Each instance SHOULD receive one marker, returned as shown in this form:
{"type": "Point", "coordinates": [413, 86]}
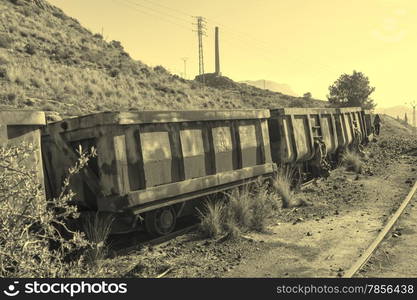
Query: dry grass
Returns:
{"type": "Point", "coordinates": [352, 161]}
{"type": "Point", "coordinates": [212, 218]}
{"type": "Point", "coordinates": [246, 208]}
{"type": "Point", "coordinates": [282, 185]}
{"type": "Point", "coordinates": [239, 206]}
{"type": "Point", "coordinates": [97, 228]}
{"type": "Point", "coordinates": [261, 208]}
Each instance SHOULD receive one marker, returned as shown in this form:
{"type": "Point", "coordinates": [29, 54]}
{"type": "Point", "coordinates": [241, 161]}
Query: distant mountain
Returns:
{"type": "Point", "coordinates": [398, 110]}
{"type": "Point", "coordinates": [272, 86]}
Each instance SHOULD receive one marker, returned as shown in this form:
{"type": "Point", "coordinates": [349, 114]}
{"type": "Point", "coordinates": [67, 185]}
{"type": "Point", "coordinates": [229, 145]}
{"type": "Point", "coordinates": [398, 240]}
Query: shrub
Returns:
{"type": "Point", "coordinates": [114, 72]}
{"type": "Point", "coordinates": [5, 41]}
{"type": "Point", "coordinates": [30, 49]}
{"type": "Point", "coordinates": [35, 240]}
{"type": "Point", "coordinates": [352, 161]}
{"type": "Point", "coordinates": [160, 70]}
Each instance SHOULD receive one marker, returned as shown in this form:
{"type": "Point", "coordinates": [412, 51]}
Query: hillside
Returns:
{"type": "Point", "coordinates": [49, 61]}
{"type": "Point", "coordinates": [272, 86]}
{"type": "Point", "coordinates": [393, 127]}
{"type": "Point", "coordinates": [396, 111]}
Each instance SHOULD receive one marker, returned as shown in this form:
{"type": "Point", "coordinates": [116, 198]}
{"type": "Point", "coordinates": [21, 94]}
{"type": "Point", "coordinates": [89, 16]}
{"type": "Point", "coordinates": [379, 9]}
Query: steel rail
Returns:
{"type": "Point", "coordinates": [155, 241]}
{"type": "Point", "coordinates": [370, 250]}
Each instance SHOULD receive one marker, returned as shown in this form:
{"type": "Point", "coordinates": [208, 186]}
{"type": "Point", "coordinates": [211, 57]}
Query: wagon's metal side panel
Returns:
{"type": "Point", "coordinates": [329, 132]}
{"type": "Point", "coordinates": [17, 127]}
{"type": "Point", "coordinates": [346, 117]}
{"type": "Point", "coordinates": [193, 152]}
{"type": "Point", "coordinates": [249, 147]}
{"type": "Point", "coordinates": [223, 147]}
{"type": "Point", "coordinates": [347, 127]}
{"type": "Point", "coordinates": [266, 143]}
{"type": "Point", "coordinates": [134, 158]}
{"type": "Point", "coordinates": [367, 115]}
{"type": "Point", "coordinates": [302, 137]}
{"type": "Point", "coordinates": [157, 157]}
{"type": "Point", "coordinates": [286, 147]}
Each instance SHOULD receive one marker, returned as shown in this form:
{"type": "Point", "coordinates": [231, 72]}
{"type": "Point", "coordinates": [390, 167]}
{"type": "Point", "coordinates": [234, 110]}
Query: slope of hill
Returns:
{"type": "Point", "coordinates": [392, 126]}
{"type": "Point", "coordinates": [394, 111]}
{"type": "Point", "coordinates": [272, 86]}
{"type": "Point", "coordinates": [49, 61]}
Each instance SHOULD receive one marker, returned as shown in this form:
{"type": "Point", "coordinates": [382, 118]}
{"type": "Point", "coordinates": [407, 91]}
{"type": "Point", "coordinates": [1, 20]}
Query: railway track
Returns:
{"type": "Point", "coordinates": [146, 241]}
{"type": "Point", "coordinates": [381, 236]}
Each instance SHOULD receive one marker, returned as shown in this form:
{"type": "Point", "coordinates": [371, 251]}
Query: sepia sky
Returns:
{"type": "Point", "coordinates": [306, 44]}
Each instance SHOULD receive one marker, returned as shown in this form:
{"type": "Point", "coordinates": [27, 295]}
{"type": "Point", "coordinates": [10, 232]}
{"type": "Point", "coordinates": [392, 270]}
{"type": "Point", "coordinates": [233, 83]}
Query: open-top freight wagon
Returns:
{"type": "Point", "coordinates": [308, 138]}
{"type": "Point", "coordinates": [150, 163]}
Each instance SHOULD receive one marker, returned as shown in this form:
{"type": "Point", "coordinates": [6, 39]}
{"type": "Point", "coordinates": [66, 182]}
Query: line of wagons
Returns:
{"type": "Point", "coordinates": [150, 164]}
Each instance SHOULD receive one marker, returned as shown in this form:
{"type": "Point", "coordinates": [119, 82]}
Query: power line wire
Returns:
{"type": "Point", "coordinates": [136, 9]}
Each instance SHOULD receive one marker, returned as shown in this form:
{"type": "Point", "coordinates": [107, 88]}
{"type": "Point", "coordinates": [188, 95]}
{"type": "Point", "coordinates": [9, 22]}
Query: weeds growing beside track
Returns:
{"type": "Point", "coordinates": [246, 208]}
{"type": "Point", "coordinates": [352, 161]}
{"type": "Point", "coordinates": [282, 184]}
{"type": "Point", "coordinates": [97, 227]}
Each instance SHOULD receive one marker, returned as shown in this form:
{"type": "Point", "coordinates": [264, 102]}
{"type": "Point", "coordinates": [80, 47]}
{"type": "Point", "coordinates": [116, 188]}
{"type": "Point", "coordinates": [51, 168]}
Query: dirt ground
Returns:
{"type": "Point", "coordinates": [397, 255]}
{"type": "Point", "coordinates": [322, 240]}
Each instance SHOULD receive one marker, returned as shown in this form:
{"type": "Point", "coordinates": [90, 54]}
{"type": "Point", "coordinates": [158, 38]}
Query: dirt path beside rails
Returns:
{"type": "Point", "coordinates": [327, 246]}
{"type": "Point", "coordinates": [397, 255]}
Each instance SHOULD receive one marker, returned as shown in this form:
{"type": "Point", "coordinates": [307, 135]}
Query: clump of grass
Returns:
{"type": "Point", "coordinates": [352, 161]}
{"type": "Point", "coordinates": [97, 228]}
{"type": "Point", "coordinates": [239, 206]}
{"type": "Point", "coordinates": [261, 209]}
{"type": "Point", "coordinates": [282, 185]}
{"type": "Point", "coordinates": [212, 218]}
{"type": "Point", "coordinates": [232, 229]}
{"type": "Point", "coordinates": [244, 209]}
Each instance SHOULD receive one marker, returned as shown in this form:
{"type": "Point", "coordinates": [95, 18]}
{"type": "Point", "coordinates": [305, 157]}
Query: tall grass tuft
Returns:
{"type": "Point", "coordinates": [239, 206]}
{"type": "Point", "coordinates": [352, 161]}
{"type": "Point", "coordinates": [261, 208]}
{"type": "Point", "coordinates": [212, 218]}
{"type": "Point", "coordinates": [282, 185]}
{"type": "Point", "coordinates": [97, 227]}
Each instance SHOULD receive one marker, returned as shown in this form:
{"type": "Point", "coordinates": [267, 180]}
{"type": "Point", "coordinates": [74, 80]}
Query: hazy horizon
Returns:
{"type": "Point", "coordinates": [304, 44]}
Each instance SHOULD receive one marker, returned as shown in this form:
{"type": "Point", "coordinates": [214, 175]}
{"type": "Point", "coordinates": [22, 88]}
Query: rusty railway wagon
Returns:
{"type": "Point", "coordinates": [150, 163]}
{"type": "Point", "coordinates": [304, 137]}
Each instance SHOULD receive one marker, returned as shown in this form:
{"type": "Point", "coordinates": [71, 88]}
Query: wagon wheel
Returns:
{"type": "Point", "coordinates": [161, 221]}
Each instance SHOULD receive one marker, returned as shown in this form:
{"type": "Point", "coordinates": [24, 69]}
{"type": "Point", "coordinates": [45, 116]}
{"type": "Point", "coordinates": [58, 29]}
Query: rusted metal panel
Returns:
{"type": "Point", "coordinates": [248, 144]}
{"type": "Point", "coordinates": [266, 143]}
{"type": "Point", "coordinates": [328, 132]}
{"type": "Point", "coordinates": [157, 157]}
{"type": "Point", "coordinates": [193, 153]}
{"type": "Point", "coordinates": [223, 148]}
{"type": "Point", "coordinates": [302, 142]}
{"type": "Point", "coordinates": [121, 164]}
{"type": "Point", "coordinates": [134, 158]}
{"type": "Point", "coordinates": [107, 162]}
